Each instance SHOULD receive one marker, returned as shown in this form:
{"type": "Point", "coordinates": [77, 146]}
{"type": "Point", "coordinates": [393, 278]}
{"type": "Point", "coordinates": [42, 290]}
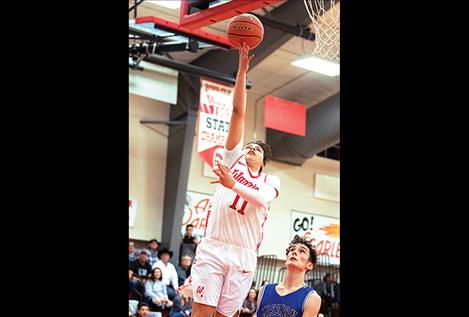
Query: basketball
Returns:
{"type": "Point", "coordinates": [245, 28]}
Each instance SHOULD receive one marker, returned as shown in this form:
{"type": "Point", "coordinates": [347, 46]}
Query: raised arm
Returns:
{"type": "Point", "coordinates": [236, 129]}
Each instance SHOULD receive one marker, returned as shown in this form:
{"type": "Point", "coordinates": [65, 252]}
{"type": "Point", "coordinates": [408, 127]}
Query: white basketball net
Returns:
{"type": "Point", "coordinates": [325, 15]}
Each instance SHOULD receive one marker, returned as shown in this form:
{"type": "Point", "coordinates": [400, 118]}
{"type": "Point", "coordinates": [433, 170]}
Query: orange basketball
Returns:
{"type": "Point", "coordinates": [245, 28]}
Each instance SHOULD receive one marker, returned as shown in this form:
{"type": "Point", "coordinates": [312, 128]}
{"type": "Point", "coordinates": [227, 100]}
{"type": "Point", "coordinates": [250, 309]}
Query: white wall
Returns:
{"type": "Point", "coordinates": [297, 194]}
{"type": "Point", "coordinates": [147, 165]}
{"type": "Point", "coordinates": [155, 82]}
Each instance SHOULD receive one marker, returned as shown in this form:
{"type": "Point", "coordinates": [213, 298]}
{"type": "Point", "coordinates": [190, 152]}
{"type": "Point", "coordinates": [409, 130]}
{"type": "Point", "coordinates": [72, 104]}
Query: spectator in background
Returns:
{"type": "Point", "coordinates": [264, 282]}
{"type": "Point", "coordinates": [320, 287]}
{"type": "Point", "coordinates": [253, 284]}
{"type": "Point", "coordinates": [156, 292]}
{"type": "Point", "coordinates": [184, 269]}
{"type": "Point", "coordinates": [132, 254]}
{"type": "Point", "coordinates": [141, 267]}
{"type": "Point", "coordinates": [336, 286]}
{"type": "Point", "coordinates": [153, 247]}
{"type": "Point", "coordinates": [141, 271]}
{"type": "Point", "coordinates": [249, 305]}
{"type": "Point", "coordinates": [335, 302]}
{"type": "Point", "coordinates": [188, 243]}
{"type": "Point", "coordinates": [143, 310]}
{"type": "Point", "coordinates": [170, 276]}
{"type": "Point", "coordinates": [327, 293]}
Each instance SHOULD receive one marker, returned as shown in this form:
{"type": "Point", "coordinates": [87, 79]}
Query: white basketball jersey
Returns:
{"type": "Point", "coordinates": [230, 218]}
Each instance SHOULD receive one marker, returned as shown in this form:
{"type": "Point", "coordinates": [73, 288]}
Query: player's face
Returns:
{"type": "Point", "coordinates": [254, 152]}
{"type": "Point", "coordinates": [298, 256]}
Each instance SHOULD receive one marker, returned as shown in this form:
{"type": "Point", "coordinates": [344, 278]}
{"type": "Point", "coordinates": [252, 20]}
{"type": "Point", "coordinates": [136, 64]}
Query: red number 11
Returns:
{"type": "Point", "coordinates": [235, 202]}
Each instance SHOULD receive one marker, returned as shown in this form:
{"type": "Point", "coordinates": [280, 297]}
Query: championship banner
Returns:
{"type": "Point", "coordinates": [324, 232]}
{"type": "Point", "coordinates": [195, 213]}
{"type": "Point", "coordinates": [215, 108]}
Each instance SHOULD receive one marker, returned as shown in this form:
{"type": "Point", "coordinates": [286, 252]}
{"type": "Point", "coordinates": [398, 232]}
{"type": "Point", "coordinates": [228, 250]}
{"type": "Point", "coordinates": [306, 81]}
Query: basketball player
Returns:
{"type": "Point", "coordinates": [225, 261]}
{"type": "Point", "coordinates": [292, 297]}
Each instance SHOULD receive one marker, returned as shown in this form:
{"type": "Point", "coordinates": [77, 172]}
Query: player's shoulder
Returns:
{"type": "Point", "coordinates": [312, 304]}
{"type": "Point", "coordinates": [262, 290]}
{"type": "Point", "coordinates": [273, 180]}
{"type": "Point", "coordinates": [314, 295]}
{"type": "Point", "coordinates": [271, 177]}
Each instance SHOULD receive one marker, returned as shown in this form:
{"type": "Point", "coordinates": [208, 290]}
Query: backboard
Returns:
{"type": "Point", "coordinates": [199, 13]}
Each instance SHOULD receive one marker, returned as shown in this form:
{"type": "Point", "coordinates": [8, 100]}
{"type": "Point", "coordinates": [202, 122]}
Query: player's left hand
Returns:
{"type": "Point", "coordinates": [225, 176]}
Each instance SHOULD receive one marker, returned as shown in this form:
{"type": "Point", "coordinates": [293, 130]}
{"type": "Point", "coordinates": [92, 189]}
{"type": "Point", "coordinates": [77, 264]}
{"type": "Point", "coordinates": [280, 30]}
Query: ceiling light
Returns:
{"type": "Point", "coordinates": [318, 65]}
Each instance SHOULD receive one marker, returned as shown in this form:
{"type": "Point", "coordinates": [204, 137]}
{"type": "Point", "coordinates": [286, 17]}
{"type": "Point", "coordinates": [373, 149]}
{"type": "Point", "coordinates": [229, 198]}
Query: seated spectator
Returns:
{"type": "Point", "coordinates": [250, 304]}
{"type": "Point", "coordinates": [141, 270]}
{"type": "Point", "coordinates": [184, 269]}
{"type": "Point", "coordinates": [143, 310]}
{"type": "Point", "coordinates": [132, 254]}
{"type": "Point", "coordinates": [155, 291]}
{"type": "Point", "coordinates": [170, 276]}
{"type": "Point", "coordinates": [153, 248]}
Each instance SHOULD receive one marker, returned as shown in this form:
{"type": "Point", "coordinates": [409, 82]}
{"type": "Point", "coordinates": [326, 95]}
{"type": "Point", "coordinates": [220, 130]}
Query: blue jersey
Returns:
{"type": "Point", "coordinates": [290, 305]}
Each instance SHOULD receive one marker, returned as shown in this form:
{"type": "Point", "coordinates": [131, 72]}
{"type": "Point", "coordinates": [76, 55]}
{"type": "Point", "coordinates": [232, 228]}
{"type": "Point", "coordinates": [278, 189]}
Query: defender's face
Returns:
{"type": "Point", "coordinates": [298, 256]}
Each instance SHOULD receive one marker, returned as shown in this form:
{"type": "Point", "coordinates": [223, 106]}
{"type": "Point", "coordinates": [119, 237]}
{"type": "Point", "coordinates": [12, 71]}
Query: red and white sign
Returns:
{"type": "Point", "coordinates": [324, 232]}
{"type": "Point", "coordinates": [284, 115]}
{"type": "Point", "coordinates": [195, 213]}
{"type": "Point", "coordinates": [132, 212]}
{"type": "Point", "coordinates": [215, 108]}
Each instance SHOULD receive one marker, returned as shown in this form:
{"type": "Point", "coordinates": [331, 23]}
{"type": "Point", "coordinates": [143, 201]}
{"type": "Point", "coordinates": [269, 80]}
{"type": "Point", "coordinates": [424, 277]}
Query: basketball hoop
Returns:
{"type": "Point", "coordinates": [325, 16]}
